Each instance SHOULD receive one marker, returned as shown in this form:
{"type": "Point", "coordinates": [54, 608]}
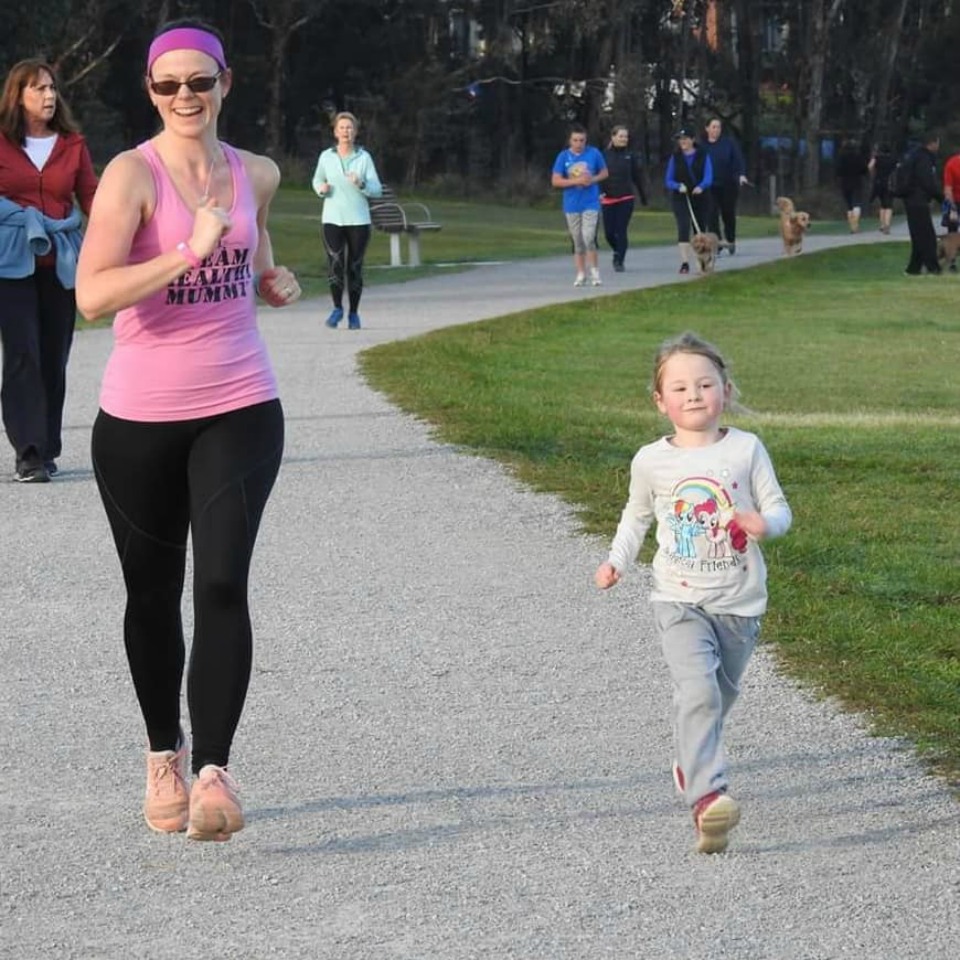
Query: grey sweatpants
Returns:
{"type": "Point", "coordinates": [706, 655]}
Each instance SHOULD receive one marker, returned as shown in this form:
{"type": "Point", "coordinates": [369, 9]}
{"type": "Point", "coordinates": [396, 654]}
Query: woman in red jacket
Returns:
{"type": "Point", "coordinates": [44, 165]}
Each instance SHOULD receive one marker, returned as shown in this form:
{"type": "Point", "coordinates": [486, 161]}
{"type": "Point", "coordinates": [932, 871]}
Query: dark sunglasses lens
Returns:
{"type": "Point", "coordinates": [170, 88]}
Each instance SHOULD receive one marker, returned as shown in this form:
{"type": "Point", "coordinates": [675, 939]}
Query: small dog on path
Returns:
{"type": "Point", "coordinates": [706, 246]}
{"type": "Point", "coordinates": [793, 225]}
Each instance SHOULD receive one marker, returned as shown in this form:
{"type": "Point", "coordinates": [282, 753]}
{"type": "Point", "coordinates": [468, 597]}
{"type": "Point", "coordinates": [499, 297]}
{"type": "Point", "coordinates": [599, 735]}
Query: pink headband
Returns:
{"type": "Point", "coordinates": [186, 38]}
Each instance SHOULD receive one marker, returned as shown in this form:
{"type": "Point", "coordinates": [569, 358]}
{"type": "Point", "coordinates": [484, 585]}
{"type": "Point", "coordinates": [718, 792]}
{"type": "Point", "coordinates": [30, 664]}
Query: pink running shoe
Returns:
{"type": "Point", "coordinates": [715, 815]}
{"type": "Point", "coordinates": [215, 811]}
{"type": "Point", "coordinates": [167, 800]}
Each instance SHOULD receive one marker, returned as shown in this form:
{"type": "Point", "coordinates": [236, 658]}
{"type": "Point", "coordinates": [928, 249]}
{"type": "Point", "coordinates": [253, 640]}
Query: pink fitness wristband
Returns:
{"type": "Point", "coordinates": [183, 248]}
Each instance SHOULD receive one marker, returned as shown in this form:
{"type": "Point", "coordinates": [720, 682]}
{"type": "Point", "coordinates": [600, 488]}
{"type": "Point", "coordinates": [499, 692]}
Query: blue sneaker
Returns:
{"type": "Point", "coordinates": [336, 315]}
{"type": "Point", "coordinates": [353, 321]}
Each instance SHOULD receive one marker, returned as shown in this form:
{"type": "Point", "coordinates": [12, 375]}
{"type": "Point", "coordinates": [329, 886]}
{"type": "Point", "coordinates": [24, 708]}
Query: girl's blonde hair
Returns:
{"type": "Point", "coordinates": [346, 115]}
{"type": "Point", "coordinates": [690, 343]}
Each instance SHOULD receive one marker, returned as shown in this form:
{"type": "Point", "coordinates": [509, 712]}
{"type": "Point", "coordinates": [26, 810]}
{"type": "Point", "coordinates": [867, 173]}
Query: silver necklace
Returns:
{"type": "Point", "coordinates": [205, 196]}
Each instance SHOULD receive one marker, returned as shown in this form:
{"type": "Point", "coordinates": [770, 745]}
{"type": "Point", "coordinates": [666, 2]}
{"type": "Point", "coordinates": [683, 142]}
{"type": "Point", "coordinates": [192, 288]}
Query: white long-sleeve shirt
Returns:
{"type": "Point", "coordinates": [703, 557]}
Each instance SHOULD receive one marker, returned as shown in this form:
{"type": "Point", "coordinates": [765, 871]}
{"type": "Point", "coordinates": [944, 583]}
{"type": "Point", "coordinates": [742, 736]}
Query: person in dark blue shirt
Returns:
{"type": "Point", "coordinates": [729, 175]}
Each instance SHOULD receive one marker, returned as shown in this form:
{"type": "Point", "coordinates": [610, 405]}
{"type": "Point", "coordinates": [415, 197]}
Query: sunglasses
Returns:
{"type": "Point", "coordinates": [170, 88]}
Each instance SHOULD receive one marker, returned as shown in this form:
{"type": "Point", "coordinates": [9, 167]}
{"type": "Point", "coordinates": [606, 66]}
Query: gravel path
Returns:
{"type": "Point", "coordinates": [454, 747]}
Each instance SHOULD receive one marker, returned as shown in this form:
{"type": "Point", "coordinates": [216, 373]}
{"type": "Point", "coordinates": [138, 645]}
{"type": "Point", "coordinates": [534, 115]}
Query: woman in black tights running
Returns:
{"type": "Point", "coordinates": [190, 430]}
{"type": "Point", "coordinates": [345, 179]}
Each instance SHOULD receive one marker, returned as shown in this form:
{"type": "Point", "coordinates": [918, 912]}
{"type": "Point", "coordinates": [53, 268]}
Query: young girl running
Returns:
{"type": "Point", "coordinates": [713, 493]}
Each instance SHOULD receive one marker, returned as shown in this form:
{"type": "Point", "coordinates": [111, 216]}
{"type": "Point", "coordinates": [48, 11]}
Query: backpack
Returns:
{"type": "Point", "coordinates": [901, 180]}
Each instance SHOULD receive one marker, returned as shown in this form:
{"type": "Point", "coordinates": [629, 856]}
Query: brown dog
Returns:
{"type": "Point", "coordinates": [793, 225]}
{"type": "Point", "coordinates": [948, 246]}
{"type": "Point", "coordinates": [706, 247]}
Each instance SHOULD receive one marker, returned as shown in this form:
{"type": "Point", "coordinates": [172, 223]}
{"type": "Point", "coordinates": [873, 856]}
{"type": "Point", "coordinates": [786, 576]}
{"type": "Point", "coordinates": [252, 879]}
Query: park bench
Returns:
{"type": "Point", "coordinates": [399, 219]}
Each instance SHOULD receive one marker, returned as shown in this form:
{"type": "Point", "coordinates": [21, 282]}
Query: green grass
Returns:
{"type": "Point", "coordinates": [849, 371]}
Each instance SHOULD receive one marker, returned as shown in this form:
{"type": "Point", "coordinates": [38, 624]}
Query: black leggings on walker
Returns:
{"type": "Point", "coordinates": [346, 247]}
{"type": "Point", "coordinates": [211, 476]}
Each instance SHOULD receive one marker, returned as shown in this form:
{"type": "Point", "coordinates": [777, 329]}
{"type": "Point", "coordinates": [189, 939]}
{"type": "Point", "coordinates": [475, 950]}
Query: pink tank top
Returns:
{"type": "Point", "coordinates": [192, 349]}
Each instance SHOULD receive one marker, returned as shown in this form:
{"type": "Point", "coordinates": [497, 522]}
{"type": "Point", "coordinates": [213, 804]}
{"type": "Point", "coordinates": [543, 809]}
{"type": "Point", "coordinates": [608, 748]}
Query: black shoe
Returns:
{"type": "Point", "coordinates": [617, 266]}
{"type": "Point", "coordinates": [51, 466]}
{"type": "Point", "coordinates": [953, 268]}
{"type": "Point", "coordinates": [684, 267]}
{"type": "Point", "coordinates": [732, 249]}
{"type": "Point", "coordinates": [31, 471]}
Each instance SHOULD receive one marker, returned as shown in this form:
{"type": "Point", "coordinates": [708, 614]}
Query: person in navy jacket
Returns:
{"type": "Point", "coordinates": [619, 192]}
{"type": "Point", "coordinates": [729, 175]}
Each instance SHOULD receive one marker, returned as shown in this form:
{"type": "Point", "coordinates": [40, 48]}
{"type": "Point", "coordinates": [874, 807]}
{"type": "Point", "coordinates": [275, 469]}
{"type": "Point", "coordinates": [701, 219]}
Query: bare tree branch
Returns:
{"type": "Point", "coordinates": [93, 64]}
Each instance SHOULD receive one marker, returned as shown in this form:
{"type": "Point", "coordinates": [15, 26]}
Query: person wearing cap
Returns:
{"type": "Point", "coordinates": [577, 171]}
{"type": "Point", "coordinates": [189, 435]}
{"type": "Point", "coordinates": [688, 177]}
{"type": "Point", "coordinates": [729, 175]}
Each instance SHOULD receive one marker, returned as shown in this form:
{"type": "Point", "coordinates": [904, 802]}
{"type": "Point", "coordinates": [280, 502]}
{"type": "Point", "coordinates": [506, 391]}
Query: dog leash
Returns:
{"type": "Point", "coordinates": [693, 216]}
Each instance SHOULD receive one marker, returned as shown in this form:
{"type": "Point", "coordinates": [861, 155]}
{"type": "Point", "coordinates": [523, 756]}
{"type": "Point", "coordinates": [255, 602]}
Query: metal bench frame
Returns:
{"type": "Point", "coordinates": [396, 219]}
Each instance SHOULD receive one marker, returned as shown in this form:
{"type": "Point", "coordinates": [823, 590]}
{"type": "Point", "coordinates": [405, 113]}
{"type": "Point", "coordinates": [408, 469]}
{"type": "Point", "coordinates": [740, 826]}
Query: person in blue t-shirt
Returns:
{"type": "Point", "coordinates": [577, 171]}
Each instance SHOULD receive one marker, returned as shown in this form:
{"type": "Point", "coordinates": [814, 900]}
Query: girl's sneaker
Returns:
{"type": "Point", "coordinates": [715, 815]}
{"type": "Point", "coordinates": [215, 811]}
{"type": "Point", "coordinates": [580, 280]}
{"type": "Point", "coordinates": [167, 801]}
{"type": "Point", "coordinates": [595, 277]}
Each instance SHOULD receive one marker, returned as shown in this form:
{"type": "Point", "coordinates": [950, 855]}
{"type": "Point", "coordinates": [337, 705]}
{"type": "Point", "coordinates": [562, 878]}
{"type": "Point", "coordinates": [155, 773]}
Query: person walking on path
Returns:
{"type": "Point", "coordinates": [688, 177]}
{"type": "Point", "coordinates": [189, 434]}
{"type": "Point", "coordinates": [713, 494]}
{"type": "Point", "coordinates": [345, 179]}
{"type": "Point", "coordinates": [851, 170]}
{"type": "Point", "coordinates": [623, 184]}
{"type": "Point", "coordinates": [924, 187]}
{"type": "Point", "coordinates": [729, 175]}
{"type": "Point", "coordinates": [951, 196]}
{"type": "Point", "coordinates": [577, 171]}
{"type": "Point", "coordinates": [45, 169]}
{"type": "Point", "coordinates": [881, 165]}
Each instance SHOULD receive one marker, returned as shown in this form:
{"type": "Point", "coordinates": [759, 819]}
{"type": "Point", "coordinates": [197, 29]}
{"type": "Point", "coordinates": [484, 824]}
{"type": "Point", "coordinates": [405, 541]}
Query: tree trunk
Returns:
{"type": "Point", "coordinates": [820, 22]}
{"type": "Point", "coordinates": [748, 43]}
{"type": "Point", "coordinates": [285, 18]}
{"type": "Point", "coordinates": [891, 47]}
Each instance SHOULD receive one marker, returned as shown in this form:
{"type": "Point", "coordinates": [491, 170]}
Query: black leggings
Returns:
{"type": "Point", "coordinates": [346, 247]}
{"type": "Point", "coordinates": [616, 225]}
{"type": "Point", "coordinates": [210, 476]}
{"type": "Point", "coordinates": [723, 203]}
{"type": "Point", "coordinates": [681, 212]}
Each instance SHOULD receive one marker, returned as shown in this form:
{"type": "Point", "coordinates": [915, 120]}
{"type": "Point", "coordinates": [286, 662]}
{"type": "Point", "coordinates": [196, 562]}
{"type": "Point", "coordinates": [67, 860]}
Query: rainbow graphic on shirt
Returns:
{"type": "Point", "coordinates": [702, 521]}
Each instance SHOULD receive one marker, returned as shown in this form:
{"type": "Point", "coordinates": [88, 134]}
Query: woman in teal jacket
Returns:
{"type": "Point", "coordinates": [345, 179]}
